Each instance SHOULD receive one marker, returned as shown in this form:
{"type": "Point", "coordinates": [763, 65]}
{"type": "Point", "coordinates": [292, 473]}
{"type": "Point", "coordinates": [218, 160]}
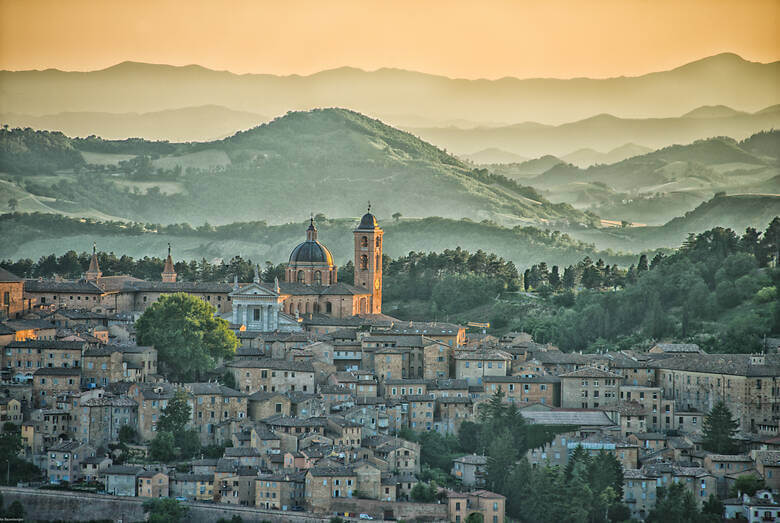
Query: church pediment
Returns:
{"type": "Point", "coordinates": [254, 290]}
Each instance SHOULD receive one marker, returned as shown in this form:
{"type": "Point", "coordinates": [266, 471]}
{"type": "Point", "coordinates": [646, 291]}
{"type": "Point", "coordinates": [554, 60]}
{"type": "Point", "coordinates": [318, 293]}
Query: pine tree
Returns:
{"type": "Point", "coordinates": [719, 430]}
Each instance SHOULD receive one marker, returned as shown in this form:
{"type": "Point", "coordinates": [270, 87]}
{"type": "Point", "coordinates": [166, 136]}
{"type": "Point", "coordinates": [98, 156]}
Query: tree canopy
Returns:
{"type": "Point", "coordinates": [188, 337]}
{"type": "Point", "coordinates": [719, 430]}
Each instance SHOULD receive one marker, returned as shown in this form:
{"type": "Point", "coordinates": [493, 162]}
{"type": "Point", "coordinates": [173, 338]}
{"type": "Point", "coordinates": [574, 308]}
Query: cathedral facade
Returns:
{"type": "Point", "coordinates": [311, 285]}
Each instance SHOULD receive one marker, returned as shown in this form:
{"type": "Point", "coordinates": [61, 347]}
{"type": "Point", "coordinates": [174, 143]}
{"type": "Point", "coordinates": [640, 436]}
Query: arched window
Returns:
{"type": "Point", "coordinates": [301, 277]}
{"type": "Point", "coordinates": [364, 241]}
{"type": "Point", "coordinates": [329, 307]}
{"type": "Point", "coordinates": [316, 308]}
{"type": "Point", "coordinates": [318, 278]}
{"type": "Point", "coordinates": [364, 262]}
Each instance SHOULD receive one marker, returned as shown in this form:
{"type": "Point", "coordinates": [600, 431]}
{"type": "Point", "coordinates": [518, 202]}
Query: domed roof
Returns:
{"type": "Point", "coordinates": [311, 251]}
{"type": "Point", "coordinates": [368, 222]}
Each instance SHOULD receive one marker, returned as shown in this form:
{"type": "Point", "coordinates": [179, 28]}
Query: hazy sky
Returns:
{"type": "Point", "coordinates": [478, 39]}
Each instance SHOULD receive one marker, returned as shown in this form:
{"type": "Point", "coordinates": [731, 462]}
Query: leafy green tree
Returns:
{"type": "Point", "coordinates": [162, 447]}
{"type": "Point", "coordinates": [165, 510]}
{"type": "Point", "coordinates": [501, 457]}
{"type": "Point", "coordinates": [719, 430]}
{"type": "Point", "coordinates": [176, 414]}
{"type": "Point", "coordinates": [188, 337]}
{"type": "Point", "coordinates": [127, 434]}
{"type": "Point", "coordinates": [188, 443]}
{"type": "Point", "coordinates": [674, 504]}
{"type": "Point", "coordinates": [619, 512]}
{"type": "Point", "coordinates": [424, 493]}
{"type": "Point", "coordinates": [746, 484]}
{"type": "Point", "coordinates": [228, 380]}
{"type": "Point", "coordinates": [713, 507]}
{"type": "Point", "coordinates": [469, 436]}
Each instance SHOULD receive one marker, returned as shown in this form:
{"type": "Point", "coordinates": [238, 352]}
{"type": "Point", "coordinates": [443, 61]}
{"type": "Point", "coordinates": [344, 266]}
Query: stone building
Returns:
{"type": "Point", "coordinates": [589, 388]}
{"type": "Point", "coordinates": [64, 461]}
{"type": "Point", "coordinates": [470, 469]}
{"type": "Point", "coordinates": [212, 404]}
{"type": "Point", "coordinates": [151, 399]}
{"type": "Point", "coordinates": [98, 420]}
{"type": "Point", "coordinates": [12, 303]}
{"type": "Point", "coordinates": [748, 383]}
{"type": "Point", "coordinates": [475, 366]}
{"type": "Point", "coordinates": [272, 375]}
{"type": "Point", "coordinates": [153, 484]}
{"type": "Point", "coordinates": [23, 358]}
{"type": "Point", "coordinates": [489, 505]}
{"type": "Point", "coordinates": [518, 389]}
{"type": "Point", "coordinates": [280, 491]}
{"type": "Point", "coordinates": [48, 383]}
{"type": "Point", "coordinates": [266, 404]}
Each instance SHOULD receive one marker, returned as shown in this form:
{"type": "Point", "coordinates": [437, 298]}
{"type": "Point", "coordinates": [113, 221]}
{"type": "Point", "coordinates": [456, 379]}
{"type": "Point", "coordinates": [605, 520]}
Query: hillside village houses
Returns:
{"type": "Point", "coordinates": [324, 381]}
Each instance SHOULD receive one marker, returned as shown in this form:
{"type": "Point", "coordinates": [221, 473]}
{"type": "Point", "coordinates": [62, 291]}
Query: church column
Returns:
{"type": "Point", "coordinates": [235, 315]}
{"type": "Point", "coordinates": [244, 307]}
{"type": "Point", "coordinates": [267, 317]}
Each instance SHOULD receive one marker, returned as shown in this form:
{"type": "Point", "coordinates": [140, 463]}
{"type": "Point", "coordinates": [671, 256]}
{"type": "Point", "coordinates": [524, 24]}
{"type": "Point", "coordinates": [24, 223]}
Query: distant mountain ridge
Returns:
{"type": "Point", "coordinates": [724, 79]}
{"type": "Point", "coordinates": [187, 124]}
{"type": "Point", "coordinates": [604, 132]}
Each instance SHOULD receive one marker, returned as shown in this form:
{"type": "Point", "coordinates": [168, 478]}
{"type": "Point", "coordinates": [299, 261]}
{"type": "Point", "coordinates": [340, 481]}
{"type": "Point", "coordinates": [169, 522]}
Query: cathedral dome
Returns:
{"type": "Point", "coordinates": [311, 251]}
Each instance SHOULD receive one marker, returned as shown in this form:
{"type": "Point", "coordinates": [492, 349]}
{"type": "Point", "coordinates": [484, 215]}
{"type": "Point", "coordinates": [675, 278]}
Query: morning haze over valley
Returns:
{"type": "Point", "coordinates": [398, 247]}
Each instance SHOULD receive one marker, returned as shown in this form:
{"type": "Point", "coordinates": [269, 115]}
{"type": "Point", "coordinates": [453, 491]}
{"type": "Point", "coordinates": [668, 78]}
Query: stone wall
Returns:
{"type": "Point", "coordinates": [429, 512]}
{"type": "Point", "coordinates": [54, 505]}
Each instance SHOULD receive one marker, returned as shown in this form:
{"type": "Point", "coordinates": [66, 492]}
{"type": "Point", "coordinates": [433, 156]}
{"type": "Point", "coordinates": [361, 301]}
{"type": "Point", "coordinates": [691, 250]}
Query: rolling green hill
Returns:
{"type": "Point", "coordinates": [737, 212]}
{"type": "Point", "coordinates": [327, 160]}
{"type": "Point", "coordinates": [655, 187]}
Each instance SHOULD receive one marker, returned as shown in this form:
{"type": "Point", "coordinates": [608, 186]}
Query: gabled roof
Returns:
{"type": "Point", "coordinates": [590, 372]}
{"type": "Point", "coordinates": [8, 277]}
{"type": "Point", "coordinates": [55, 286]}
{"type": "Point", "coordinates": [58, 371]}
{"type": "Point", "coordinates": [270, 363]}
{"type": "Point", "coordinates": [579, 417]}
{"type": "Point", "coordinates": [200, 389]}
{"type": "Point", "coordinates": [47, 344]}
{"type": "Point", "coordinates": [177, 286]}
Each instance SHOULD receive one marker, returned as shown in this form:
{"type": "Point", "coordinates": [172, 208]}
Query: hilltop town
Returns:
{"type": "Point", "coordinates": [329, 407]}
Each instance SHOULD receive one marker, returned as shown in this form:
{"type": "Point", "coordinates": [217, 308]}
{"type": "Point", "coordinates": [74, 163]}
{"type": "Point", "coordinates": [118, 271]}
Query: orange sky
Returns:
{"type": "Point", "coordinates": [479, 39]}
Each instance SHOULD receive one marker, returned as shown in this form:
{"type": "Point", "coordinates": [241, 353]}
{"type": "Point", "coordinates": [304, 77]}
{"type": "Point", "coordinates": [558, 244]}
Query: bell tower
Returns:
{"type": "Point", "coordinates": [368, 261]}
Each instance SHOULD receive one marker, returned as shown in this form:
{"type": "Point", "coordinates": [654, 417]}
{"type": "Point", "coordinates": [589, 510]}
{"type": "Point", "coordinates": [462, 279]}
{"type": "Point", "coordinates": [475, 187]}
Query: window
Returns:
{"type": "Point", "coordinates": [301, 277]}
{"type": "Point", "coordinates": [364, 241]}
{"type": "Point", "coordinates": [318, 277]}
{"type": "Point", "coordinates": [364, 262]}
{"type": "Point", "coordinates": [256, 314]}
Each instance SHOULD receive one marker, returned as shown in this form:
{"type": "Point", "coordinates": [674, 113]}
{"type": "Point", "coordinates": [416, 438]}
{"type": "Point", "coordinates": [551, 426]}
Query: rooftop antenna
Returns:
{"type": "Point", "coordinates": [369, 206]}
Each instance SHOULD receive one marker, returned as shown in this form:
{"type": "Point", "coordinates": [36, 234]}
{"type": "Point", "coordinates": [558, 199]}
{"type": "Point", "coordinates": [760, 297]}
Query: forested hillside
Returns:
{"type": "Point", "coordinates": [719, 290]}
{"type": "Point", "coordinates": [35, 235]}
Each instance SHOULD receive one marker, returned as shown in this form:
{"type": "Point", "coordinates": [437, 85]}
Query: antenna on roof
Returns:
{"type": "Point", "coordinates": [369, 206]}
